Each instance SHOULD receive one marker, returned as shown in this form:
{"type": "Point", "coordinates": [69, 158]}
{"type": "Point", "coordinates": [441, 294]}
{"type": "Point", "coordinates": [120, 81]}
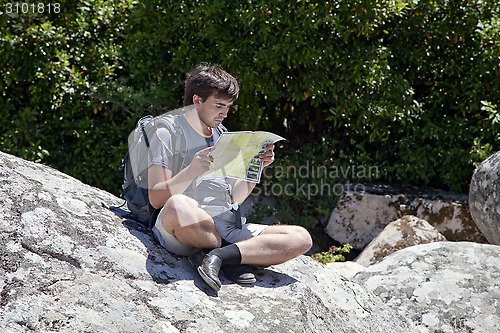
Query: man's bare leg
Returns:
{"type": "Point", "coordinates": [275, 245]}
{"type": "Point", "coordinates": [191, 225]}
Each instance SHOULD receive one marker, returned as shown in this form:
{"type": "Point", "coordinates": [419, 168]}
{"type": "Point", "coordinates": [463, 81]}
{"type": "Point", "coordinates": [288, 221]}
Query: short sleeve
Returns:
{"type": "Point", "coordinates": [160, 149]}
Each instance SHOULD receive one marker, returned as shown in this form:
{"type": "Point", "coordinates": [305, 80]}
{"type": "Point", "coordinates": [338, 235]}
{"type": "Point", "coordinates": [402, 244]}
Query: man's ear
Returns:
{"type": "Point", "coordinates": [197, 100]}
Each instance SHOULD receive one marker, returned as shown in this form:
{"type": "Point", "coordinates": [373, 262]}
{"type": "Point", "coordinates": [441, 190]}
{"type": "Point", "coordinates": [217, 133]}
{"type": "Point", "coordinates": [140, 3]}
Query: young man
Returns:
{"type": "Point", "coordinates": [201, 215]}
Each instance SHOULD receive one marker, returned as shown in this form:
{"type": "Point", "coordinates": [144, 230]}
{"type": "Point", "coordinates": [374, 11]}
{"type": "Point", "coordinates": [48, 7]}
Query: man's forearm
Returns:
{"type": "Point", "coordinates": [241, 190]}
{"type": "Point", "coordinates": [162, 191]}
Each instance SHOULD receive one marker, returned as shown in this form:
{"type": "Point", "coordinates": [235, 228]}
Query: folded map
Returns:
{"type": "Point", "coordinates": [236, 155]}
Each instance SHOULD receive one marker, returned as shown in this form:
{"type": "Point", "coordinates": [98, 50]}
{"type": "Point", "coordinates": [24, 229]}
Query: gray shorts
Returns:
{"type": "Point", "coordinates": [224, 223]}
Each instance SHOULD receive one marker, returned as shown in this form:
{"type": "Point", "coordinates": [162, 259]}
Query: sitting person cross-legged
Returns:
{"type": "Point", "coordinates": [201, 214]}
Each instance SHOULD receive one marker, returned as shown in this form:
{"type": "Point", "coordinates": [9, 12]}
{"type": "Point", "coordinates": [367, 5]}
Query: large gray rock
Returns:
{"type": "Point", "coordinates": [347, 268]}
{"type": "Point", "coordinates": [69, 264]}
{"type": "Point", "coordinates": [402, 233]}
{"type": "Point", "coordinates": [441, 287]}
{"type": "Point", "coordinates": [360, 215]}
{"type": "Point", "coordinates": [484, 198]}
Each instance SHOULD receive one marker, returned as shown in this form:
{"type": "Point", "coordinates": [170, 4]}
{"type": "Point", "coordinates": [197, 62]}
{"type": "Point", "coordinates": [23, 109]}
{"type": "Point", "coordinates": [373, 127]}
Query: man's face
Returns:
{"type": "Point", "coordinates": [212, 111]}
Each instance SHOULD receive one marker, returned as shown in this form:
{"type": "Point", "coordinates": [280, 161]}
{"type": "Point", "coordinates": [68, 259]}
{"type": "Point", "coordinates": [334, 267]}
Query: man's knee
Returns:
{"type": "Point", "coordinates": [302, 239]}
{"type": "Point", "coordinates": [188, 223]}
{"type": "Point", "coordinates": [178, 210]}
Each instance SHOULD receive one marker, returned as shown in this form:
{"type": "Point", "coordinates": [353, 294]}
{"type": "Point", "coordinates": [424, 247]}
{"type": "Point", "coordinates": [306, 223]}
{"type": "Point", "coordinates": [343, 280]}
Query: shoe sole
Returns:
{"type": "Point", "coordinates": [247, 281]}
{"type": "Point", "coordinates": [214, 285]}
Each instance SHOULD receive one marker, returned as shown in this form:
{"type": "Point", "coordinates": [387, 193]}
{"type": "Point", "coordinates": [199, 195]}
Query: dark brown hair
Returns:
{"type": "Point", "coordinates": [210, 80]}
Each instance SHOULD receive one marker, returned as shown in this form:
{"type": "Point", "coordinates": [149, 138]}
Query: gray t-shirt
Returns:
{"type": "Point", "coordinates": [161, 153]}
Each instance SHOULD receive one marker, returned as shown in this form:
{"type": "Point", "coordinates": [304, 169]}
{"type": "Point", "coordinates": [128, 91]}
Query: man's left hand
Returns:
{"type": "Point", "coordinates": [267, 157]}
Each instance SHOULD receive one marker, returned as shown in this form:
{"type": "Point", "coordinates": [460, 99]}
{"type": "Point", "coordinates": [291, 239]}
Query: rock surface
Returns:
{"type": "Point", "coordinates": [402, 233]}
{"type": "Point", "coordinates": [70, 264]}
{"type": "Point", "coordinates": [361, 215]}
{"type": "Point", "coordinates": [346, 268]}
{"type": "Point", "coordinates": [484, 198]}
{"type": "Point", "coordinates": [442, 287]}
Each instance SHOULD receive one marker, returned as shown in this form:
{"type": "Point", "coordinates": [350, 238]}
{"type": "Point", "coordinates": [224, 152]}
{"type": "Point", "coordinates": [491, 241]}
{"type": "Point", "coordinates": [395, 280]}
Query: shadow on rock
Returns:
{"type": "Point", "coordinates": [166, 267]}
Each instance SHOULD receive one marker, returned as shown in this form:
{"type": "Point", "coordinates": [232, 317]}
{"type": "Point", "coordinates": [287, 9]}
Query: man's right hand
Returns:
{"type": "Point", "coordinates": [201, 162]}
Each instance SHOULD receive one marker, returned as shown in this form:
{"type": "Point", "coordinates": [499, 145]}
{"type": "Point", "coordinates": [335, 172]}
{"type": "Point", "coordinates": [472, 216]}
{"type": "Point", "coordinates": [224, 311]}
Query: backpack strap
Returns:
{"type": "Point", "coordinates": [154, 215]}
{"type": "Point", "coordinates": [221, 128]}
{"type": "Point", "coordinates": [179, 145]}
{"type": "Point", "coordinates": [178, 139]}
{"type": "Point", "coordinates": [142, 121]}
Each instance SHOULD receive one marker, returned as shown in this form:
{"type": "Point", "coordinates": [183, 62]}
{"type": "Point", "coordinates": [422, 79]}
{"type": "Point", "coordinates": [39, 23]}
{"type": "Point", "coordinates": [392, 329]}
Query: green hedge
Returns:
{"type": "Point", "coordinates": [52, 69]}
{"type": "Point", "coordinates": [411, 87]}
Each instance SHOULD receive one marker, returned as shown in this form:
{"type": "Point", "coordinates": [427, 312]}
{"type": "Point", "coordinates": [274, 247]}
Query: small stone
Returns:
{"type": "Point", "coordinates": [402, 233]}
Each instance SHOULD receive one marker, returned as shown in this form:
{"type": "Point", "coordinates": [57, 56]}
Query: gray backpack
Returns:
{"type": "Point", "coordinates": [135, 163]}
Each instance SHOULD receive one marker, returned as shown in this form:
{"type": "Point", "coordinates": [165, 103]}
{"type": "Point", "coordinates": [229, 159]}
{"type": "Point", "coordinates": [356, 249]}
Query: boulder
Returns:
{"type": "Point", "coordinates": [484, 198]}
{"type": "Point", "coordinates": [402, 233]}
{"type": "Point", "coordinates": [442, 287]}
{"type": "Point", "coordinates": [361, 214]}
{"type": "Point", "coordinates": [69, 263]}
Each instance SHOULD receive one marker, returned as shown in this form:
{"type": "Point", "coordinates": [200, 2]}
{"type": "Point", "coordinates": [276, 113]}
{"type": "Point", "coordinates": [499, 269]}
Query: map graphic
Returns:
{"type": "Point", "coordinates": [236, 155]}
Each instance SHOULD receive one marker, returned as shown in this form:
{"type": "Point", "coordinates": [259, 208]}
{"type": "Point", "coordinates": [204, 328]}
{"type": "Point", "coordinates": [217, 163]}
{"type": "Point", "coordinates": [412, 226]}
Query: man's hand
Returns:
{"type": "Point", "coordinates": [267, 157]}
{"type": "Point", "coordinates": [201, 162]}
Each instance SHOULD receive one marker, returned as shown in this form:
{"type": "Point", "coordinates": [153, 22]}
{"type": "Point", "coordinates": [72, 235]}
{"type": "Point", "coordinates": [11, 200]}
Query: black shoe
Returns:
{"type": "Point", "coordinates": [241, 274]}
{"type": "Point", "coordinates": [209, 271]}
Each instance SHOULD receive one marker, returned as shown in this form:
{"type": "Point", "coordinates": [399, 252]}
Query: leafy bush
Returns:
{"type": "Point", "coordinates": [398, 85]}
{"type": "Point", "coordinates": [53, 67]}
{"type": "Point", "coordinates": [410, 88]}
{"type": "Point", "coordinates": [334, 254]}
